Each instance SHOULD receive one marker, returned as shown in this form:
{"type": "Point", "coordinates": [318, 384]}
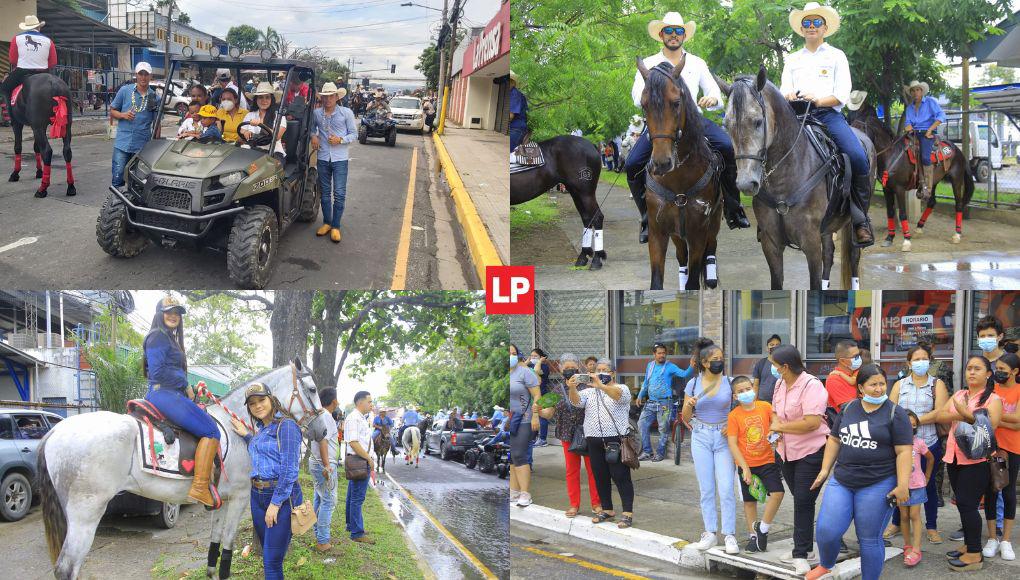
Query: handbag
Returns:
{"type": "Point", "coordinates": [578, 442]}
{"type": "Point", "coordinates": [1000, 473]}
{"type": "Point", "coordinates": [626, 450]}
{"type": "Point", "coordinates": [302, 518]}
{"type": "Point", "coordinates": [355, 467]}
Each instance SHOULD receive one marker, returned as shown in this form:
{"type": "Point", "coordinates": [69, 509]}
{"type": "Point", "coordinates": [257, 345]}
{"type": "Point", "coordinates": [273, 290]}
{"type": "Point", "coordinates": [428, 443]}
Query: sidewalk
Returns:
{"type": "Point", "coordinates": [481, 159]}
{"type": "Point", "coordinates": [667, 516]}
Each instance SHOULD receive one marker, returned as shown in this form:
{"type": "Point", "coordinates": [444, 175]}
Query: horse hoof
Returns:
{"type": "Point", "coordinates": [918, 231]}
{"type": "Point", "coordinates": [71, 191]}
{"type": "Point", "coordinates": [582, 260]}
{"type": "Point", "coordinates": [14, 177]}
{"type": "Point", "coordinates": [887, 242]}
{"type": "Point", "coordinates": [711, 283]}
{"type": "Point", "coordinates": [41, 193]}
{"type": "Point", "coordinates": [38, 173]}
{"type": "Point", "coordinates": [956, 238]}
{"type": "Point", "coordinates": [906, 245]}
{"type": "Point", "coordinates": [596, 264]}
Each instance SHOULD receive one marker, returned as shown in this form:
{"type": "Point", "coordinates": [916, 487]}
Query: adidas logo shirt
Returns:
{"type": "Point", "coordinates": [867, 452]}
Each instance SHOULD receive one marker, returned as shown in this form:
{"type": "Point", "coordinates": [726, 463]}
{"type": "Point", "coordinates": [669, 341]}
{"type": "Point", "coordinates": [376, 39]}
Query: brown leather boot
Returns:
{"type": "Point", "coordinates": [205, 453]}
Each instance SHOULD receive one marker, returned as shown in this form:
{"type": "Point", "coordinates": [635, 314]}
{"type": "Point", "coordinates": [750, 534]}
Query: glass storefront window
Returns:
{"type": "Point", "coordinates": [835, 315]}
{"type": "Point", "coordinates": [910, 316]}
{"type": "Point", "coordinates": [1002, 304]}
{"type": "Point", "coordinates": [667, 317]}
{"type": "Point", "coordinates": [758, 314]}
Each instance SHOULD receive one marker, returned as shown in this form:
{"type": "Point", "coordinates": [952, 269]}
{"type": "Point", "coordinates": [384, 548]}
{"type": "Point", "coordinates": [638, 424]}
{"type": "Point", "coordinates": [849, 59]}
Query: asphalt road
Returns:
{"type": "Point", "coordinates": [51, 242]}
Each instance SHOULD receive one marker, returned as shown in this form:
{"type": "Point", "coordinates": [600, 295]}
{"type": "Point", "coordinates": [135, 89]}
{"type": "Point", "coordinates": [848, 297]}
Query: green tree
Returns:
{"type": "Point", "coordinates": [183, 18]}
{"type": "Point", "coordinates": [119, 376]}
{"type": "Point", "coordinates": [428, 65]}
{"type": "Point", "coordinates": [222, 331]}
{"type": "Point", "coordinates": [245, 37]}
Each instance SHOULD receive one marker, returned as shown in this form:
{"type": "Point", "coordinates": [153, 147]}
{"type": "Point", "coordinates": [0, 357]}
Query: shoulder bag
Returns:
{"type": "Point", "coordinates": [355, 467]}
{"type": "Point", "coordinates": [578, 441]}
{"type": "Point", "coordinates": [626, 451]}
{"type": "Point", "coordinates": [1000, 473]}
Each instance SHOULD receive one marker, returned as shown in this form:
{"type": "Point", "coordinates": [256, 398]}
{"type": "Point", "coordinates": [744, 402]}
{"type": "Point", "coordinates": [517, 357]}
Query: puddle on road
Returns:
{"type": "Point", "coordinates": [961, 266]}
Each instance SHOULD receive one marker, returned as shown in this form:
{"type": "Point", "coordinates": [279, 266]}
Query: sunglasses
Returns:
{"type": "Point", "coordinates": [677, 30]}
{"type": "Point", "coordinates": [816, 22]}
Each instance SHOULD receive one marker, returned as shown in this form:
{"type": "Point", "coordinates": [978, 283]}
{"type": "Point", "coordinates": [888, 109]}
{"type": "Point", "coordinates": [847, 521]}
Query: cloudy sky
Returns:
{"type": "Point", "coordinates": [376, 32]}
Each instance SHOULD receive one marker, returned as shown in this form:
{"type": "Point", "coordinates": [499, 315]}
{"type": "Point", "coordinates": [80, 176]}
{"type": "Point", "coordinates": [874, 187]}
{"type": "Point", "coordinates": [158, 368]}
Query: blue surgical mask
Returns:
{"type": "Point", "coordinates": [514, 360]}
{"type": "Point", "coordinates": [875, 400]}
{"type": "Point", "coordinates": [856, 362]}
{"type": "Point", "coordinates": [775, 371]}
{"type": "Point", "coordinates": [920, 367]}
{"type": "Point", "coordinates": [746, 397]}
{"type": "Point", "coordinates": [988, 343]}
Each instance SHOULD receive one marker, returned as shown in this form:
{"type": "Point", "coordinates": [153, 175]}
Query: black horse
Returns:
{"type": "Point", "coordinates": [44, 101]}
{"type": "Point", "coordinates": [574, 162]}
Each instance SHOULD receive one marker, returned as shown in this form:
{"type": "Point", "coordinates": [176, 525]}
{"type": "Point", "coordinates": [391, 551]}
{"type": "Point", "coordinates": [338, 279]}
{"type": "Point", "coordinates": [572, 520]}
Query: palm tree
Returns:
{"type": "Point", "coordinates": [272, 40]}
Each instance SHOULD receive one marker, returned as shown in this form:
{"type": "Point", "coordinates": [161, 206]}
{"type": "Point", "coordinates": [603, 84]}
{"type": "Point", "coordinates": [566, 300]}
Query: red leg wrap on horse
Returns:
{"type": "Point", "coordinates": [906, 229]}
{"type": "Point", "coordinates": [959, 221]}
{"type": "Point", "coordinates": [885, 178]}
{"type": "Point", "coordinates": [70, 175]}
{"type": "Point", "coordinates": [924, 216]}
{"type": "Point", "coordinates": [38, 161]}
{"type": "Point", "coordinates": [17, 163]}
{"type": "Point", "coordinates": [45, 177]}
{"type": "Point", "coordinates": [892, 227]}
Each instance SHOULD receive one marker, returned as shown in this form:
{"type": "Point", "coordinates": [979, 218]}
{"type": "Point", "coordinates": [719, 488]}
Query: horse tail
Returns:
{"type": "Point", "coordinates": [845, 253]}
{"type": "Point", "coordinates": [61, 118]}
{"type": "Point", "coordinates": [54, 517]}
{"type": "Point", "coordinates": [968, 184]}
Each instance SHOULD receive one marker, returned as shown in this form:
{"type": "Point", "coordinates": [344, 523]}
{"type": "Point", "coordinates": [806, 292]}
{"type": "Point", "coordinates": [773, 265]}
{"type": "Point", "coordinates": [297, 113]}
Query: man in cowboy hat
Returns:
{"type": "Point", "coordinates": [857, 99]}
{"type": "Point", "coordinates": [31, 52]}
{"type": "Point", "coordinates": [820, 74]}
{"type": "Point", "coordinates": [333, 128]}
{"type": "Point", "coordinates": [923, 116]}
{"type": "Point", "coordinates": [379, 104]}
{"type": "Point", "coordinates": [518, 113]}
{"type": "Point", "coordinates": [672, 32]}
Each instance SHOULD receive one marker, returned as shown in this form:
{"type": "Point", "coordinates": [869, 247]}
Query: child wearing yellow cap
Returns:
{"type": "Point", "coordinates": [209, 119]}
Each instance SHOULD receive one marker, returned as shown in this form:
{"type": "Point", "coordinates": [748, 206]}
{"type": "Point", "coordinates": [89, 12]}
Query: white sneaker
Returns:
{"type": "Point", "coordinates": [731, 544]}
{"type": "Point", "coordinates": [514, 495]}
{"type": "Point", "coordinates": [788, 557]}
{"type": "Point", "coordinates": [1006, 549]}
{"type": "Point", "coordinates": [801, 566]}
{"type": "Point", "coordinates": [708, 540]}
{"type": "Point", "coordinates": [524, 500]}
{"type": "Point", "coordinates": [991, 548]}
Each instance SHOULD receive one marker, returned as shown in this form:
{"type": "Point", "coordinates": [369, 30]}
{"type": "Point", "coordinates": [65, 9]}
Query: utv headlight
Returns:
{"type": "Point", "coordinates": [141, 170]}
{"type": "Point", "coordinates": [231, 179]}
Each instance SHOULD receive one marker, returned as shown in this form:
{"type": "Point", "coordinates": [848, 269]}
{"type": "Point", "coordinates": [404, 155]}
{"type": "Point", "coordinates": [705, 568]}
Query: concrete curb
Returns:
{"type": "Point", "coordinates": [641, 542]}
{"type": "Point", "coordinates": [483, 250]}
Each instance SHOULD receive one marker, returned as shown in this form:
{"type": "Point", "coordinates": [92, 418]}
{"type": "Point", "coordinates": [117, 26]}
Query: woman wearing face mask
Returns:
{"type": "Point", "coordinates": [706, 408]}
{"type": "Point", "coordinates": [540, 364]}
{"type": "Point", "coordinates": [1008, 437]}
{"type": "Point", "coordinates": [923, 394]}
{"type": "Point", "coordinates": [969, 477]}
{"type": "Point", "coordinates": [523, 425]}
{"type": "Point", "coordinates": [231, 114]}
{"type": "Point", "coordinates": [798, 410]}
{"type": "Point", "coordinates": [764, 382]}
{"type": "Point", "coordinates": [606, 408]}
{"type": "Point", "coordinates": [871, 446]}
{"type": "Point", "coordinates": [568, 418]}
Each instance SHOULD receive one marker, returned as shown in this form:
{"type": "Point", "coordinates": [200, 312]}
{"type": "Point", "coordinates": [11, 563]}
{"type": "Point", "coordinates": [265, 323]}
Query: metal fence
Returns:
{"type": "Point", "coordinates": [993, 141]}
{"type": "Point", "coordinates": [92, 90]}
{"type": "Point", "coordinates": [571, 322]}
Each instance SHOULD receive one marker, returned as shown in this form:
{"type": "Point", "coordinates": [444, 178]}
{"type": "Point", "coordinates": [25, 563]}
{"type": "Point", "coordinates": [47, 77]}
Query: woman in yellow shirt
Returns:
{"type": "Point", "coordinates": [230, 114]}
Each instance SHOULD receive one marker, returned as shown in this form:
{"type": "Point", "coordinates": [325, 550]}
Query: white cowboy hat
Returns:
{"type": "Point", "coordinates": [513, 76]}
{"type": "Point", "coordinates": [856, 99]}
{"type": "Point", "coordinates": [636, 119]}
{"type": "Point", "coordinates": [331, 89]}
{"type": "Point", "coordinates": [831, 17]}
{"type": "Point", "coordinates": [924, 87]}
{"type": "Point", "coordinates": [264, 88]}
{"type": "Point", "coordinates": [31, 23]}
{"type": "Point", "coordinates": [671, 19]}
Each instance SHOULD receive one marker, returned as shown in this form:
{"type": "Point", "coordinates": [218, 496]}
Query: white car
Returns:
{"type": "Point", "coordinates": [408, 113]}
{"type": "Point", "coordinates": [179, 97]}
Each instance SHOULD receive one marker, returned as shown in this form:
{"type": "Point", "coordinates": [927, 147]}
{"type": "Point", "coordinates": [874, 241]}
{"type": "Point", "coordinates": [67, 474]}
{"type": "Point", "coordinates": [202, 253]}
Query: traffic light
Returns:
{"type": "Point", "coordinates": [393, 68]}
{"type": "Point", "coordinates": [364, 82]}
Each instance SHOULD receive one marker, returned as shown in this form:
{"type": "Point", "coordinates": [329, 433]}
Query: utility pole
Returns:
{"type": "Point", "coordinates": [166, 55]}
{"type": "Point", "coordinates": [442, 53]}
{"type": "Point", "coordinates": [445, 72]}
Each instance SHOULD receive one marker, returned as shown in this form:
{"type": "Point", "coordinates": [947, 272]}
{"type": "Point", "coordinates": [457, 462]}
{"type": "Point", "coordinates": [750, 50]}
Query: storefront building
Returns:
{"type": "Point", "coordinates": [480, 97]}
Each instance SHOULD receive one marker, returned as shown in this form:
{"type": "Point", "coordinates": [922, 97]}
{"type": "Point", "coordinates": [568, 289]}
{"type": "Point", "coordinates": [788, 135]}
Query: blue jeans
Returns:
{"type": "Point", "coordinates": [333, 186]}
{"type": "Point", "coordinates": [325, 500]}
{"type": "Point", "coordinates": [718, 139]}
{"type": "Point", "coordinates": [120, 160]}
{"type": "Point", "coordinates": [516, 137]}
{"type": "Point", "coordinates": [845, 139]}
{"type": "Point", "coordinates": [931, 507]}
{"type": "Point", "coordinates": [869, 509]}
{"type": "Point", "coordinates": [183, 411]}
{"type": "Point", "coordinates": [649, 413]}
{"type": "Point", "coordinates": [713, 464]}
{"type": "Point", "coordinates": [274, 540]}
{"type": "Point", "coordinates": [926, 145]}
{"type": "Point", "coordinates": [355, 498]}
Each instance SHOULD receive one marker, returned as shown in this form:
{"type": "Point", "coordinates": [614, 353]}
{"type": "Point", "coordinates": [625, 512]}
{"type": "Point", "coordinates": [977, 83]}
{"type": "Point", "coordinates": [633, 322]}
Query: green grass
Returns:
{"type": "Point", "coordinates": [389, 557]}
{"type": "Point", "coordinates": [537, 212]}
{"type": "Point", "coordinates": [613, 178]}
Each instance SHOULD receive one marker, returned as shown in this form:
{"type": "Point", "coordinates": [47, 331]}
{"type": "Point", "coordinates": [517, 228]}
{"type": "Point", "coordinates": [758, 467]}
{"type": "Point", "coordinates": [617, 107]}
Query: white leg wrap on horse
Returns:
{"type": "Point", "coordinates": [855, 283]}
{"type": "Point", "coordinates": [825, 284]}
{"type": "Point", "coordinates": [683, 277]}
{"type": "Point", "coordinates": [710, 268]}
{"type": "Point", "coordinates": [597, 242]}
{"type": "Point", "coordinates": [586, 238]}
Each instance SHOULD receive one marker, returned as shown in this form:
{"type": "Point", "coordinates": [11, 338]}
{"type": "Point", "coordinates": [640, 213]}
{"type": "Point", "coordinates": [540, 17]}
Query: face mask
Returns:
{"type": "Point", "coordinates": [227, 105]}
{"type": "Point", "coordinates": [920, 367]}
{"type": "Point", "coordinates": [988, 344]}
{"type": "Point", "coordinates": [876, 400]}
{"type": "Point", "coordinates": [715, 367]}
{"type": "Point", "coordinates": [856, 362]}
{"type": "Point", "coordinates": [606, 378]}
{"type": "Point", "coordinates": [746, 397]}
{"type": "Point", "coordinates": [514, 360]}
{"type": "Point", "coordinates": [775, 371]}
{"type": "Point", "coordinates": [534, 361]}
{"type": "Point", "coordinates": [771, 348]}
{"type": "Point", "coordinates": [1001, 377]}
{"type": "Point", "coordinates": [567, 373]}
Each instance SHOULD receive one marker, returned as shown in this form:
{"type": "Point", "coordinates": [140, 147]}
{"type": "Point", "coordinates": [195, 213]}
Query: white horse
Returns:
{"type": "Point", "coordinates": [411, 441]}
{"type": "Point", "coordinates": [87, 459]}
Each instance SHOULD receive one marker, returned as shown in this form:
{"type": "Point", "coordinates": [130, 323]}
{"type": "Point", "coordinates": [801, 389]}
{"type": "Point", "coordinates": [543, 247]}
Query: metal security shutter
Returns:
{"type": "Point", "coordinates": [522, 332]}
{"type": "Point", "coordinates": [571, 322]}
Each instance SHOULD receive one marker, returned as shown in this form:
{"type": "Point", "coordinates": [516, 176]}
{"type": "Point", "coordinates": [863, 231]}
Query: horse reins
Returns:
{"type": "Point", "coordinates": [202, 390]}
{"type": "Point", "coordinates": [762, 156]}
{"type": "Point", "coordinates": [307, 414]}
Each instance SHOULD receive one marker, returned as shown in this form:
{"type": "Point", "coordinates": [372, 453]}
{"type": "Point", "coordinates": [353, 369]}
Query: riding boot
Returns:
{"type": "Point", "coordinates": [927, 174]}
{"type": "Point", "coordinates": [735, 216]}
{"type": "Point", "coordinates": [201, 489]}
{"type": "Point", "coordinates": [637, 191]}
{"type": "Point", "coordinates": [860, 196]}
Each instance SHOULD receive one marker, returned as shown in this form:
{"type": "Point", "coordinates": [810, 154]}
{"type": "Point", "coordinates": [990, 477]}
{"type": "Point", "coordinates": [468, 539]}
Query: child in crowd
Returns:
{"type": "Point", "coordinates": [209, 119]}
{"type": "Point", "coordinates": [910, 512]}
{"type": "Point", "coordinates": [189, 125]}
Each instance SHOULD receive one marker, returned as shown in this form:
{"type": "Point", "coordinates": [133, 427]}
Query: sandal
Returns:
{"type": "Point", "coordinates": [602, 517]}
{"type": "Point", "coordinates": [890, 532]}
{"type": "Point", "coordinates": [625, 522]}
{"type": "Point", "coordinates": [934, 537]}
{"type": "Point", "coordinates": [571, 512]}
{"type": "Point", "coordinates": [912, 559]}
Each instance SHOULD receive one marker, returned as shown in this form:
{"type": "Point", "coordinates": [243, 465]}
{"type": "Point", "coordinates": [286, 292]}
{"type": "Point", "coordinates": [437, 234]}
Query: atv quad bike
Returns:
{"type": "Point", "coordinates": [225, 196]}
{"type": "Point", "coordinates": [376, 125]}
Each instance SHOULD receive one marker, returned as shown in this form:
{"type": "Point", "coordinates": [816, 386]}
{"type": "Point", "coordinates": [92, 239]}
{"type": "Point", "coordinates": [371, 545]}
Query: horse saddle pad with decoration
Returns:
{"type": "Point", "coordinates": [941, 152]}
{"type": "Point", "coordinates": [167, 450]}
{"type": "Point", "coordinates": [528, 155]}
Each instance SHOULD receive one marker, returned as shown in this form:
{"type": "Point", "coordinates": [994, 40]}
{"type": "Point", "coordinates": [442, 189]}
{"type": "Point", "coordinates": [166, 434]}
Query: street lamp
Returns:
{"type": "Point", "coordinates": [420, 5]}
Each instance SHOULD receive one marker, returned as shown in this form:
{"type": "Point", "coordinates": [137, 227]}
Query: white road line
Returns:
{"type": "Point", "coordinates": [18, 244]}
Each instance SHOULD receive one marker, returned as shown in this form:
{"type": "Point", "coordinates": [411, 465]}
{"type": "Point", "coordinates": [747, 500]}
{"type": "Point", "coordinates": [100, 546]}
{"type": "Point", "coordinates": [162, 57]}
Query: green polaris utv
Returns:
{"type": "Point", "coordinates": [238, 198]}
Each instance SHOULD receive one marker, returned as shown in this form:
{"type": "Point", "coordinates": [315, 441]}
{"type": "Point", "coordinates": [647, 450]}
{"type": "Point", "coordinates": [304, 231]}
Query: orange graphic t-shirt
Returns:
{"type": "Point", "coordinates": [751, 429]}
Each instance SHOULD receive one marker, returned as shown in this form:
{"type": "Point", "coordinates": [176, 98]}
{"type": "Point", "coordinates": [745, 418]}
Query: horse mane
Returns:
{"type": "Point", "coordinates": [657, 84]}
{"type": "Point", "coordinates": [740, 93]}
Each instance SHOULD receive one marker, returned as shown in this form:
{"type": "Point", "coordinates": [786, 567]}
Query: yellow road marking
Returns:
{"type": "Point", "coordinates": [442, 529]}
{"type": "Point", "coordinates": [582, 563]}
{"type": "Point", "coordinates": [404, 246]}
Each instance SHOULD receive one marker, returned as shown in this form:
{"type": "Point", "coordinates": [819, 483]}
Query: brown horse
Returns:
{"type": "Point", "coordinates": [381, 443]}
{"type": "Point", "coordinates": [683, 193]}
{"type": "Point", "coordinates": [898, 174]}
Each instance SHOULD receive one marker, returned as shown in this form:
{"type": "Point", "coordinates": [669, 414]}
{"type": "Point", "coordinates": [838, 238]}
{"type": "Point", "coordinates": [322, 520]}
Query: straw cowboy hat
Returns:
{"type": "Point", "coordinates": [331, 89]}
{"type": "Point", "coordinates": [909, 88]}
{"type": "Point", "coordinates": [671, 19]}
{"type": "Point", "coordinates": [513, 76]}
{"type": "Point", "coordinates": [31, 23]}
{"type": "Point", "coordinates": [831, 17]}
{"type": "Point", "coordinates": [856, 99]}
{"type": "Point", "coordinates": [264, 88]}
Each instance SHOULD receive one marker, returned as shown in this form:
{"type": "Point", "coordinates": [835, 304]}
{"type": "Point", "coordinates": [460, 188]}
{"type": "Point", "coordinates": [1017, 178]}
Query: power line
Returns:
{"type": "Point", "coordinates": [334, 30]}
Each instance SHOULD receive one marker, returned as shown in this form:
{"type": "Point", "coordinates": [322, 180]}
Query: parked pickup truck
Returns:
{"type": "Point", "coordinates": [448, 444]}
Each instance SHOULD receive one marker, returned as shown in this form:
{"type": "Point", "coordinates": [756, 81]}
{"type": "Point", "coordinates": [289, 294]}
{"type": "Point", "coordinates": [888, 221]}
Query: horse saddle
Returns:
{"type": "Point", "coordinates": [167, 450]}
{"type": "Point", "coordinates": [941, 151]}
{"type": "Point", "coordinates": [528, 155]}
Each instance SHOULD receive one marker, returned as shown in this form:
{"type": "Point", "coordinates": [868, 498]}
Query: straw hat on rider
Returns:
{"type": "Point", "coordinates": [331, 89]}
{"type": "Point", "coordinates": [914, 84]}
{"type": "Point", "coordinates": [32, 22]}
{"type": "Point", "coordinates": [856, 99]}
{"type": "Point", "coordinates": [815, 9]}
{"type": "Point", "coordinates": [513, 76]}
{"type": "Point", "coordinates": [671, 19]}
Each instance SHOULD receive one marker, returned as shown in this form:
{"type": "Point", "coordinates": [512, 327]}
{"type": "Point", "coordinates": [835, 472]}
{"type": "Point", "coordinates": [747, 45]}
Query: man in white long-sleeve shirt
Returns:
{"type": "Point", "coordinates": [673, 32]}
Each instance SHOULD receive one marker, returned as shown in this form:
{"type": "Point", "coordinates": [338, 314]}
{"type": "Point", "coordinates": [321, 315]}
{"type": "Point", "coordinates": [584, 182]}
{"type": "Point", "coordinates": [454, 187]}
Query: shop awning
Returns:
{"type": "Point", "coordinates": [1004, 48]}
{"type": "Point", "coordinates": [1005, 98]}
{"type": "Point", "coordinates": [69, 28]}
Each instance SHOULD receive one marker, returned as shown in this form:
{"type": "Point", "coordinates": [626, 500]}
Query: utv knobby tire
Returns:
{"type": "Point", "coordinates": [252, 247]}
{"type": "Point", "coordinates": [112, 230]}
{"type": "Point", "coordinates": [486, 463]}
{"type": "Point", "coordinates": [312, 197]}
{"type": "Point", "coordinates": [391, 137]}
{"type": "Point", "coordinates": [362, 134]}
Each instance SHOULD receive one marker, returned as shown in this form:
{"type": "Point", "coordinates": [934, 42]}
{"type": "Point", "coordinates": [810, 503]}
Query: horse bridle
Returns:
{"type": "Point", "coordinates": [762, 156]}
{"type": "Point", "coordinates": [675, 139]}
{"type": "Point", "coordinates": [308, 413]}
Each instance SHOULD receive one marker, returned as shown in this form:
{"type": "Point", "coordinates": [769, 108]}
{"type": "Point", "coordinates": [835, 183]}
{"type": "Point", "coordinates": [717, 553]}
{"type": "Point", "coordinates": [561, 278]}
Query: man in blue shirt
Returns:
{"type": "Point", "coordinates": [518, 113]}
{"type": "Point", "coordinates": [411, 417]}
{"type": "Point", "coordinates": [134, 108]}
{"type": "Point", "coordinates": [497, 416]}
{"type": "Point", "coordinates": [924, 115]}
{"type": "Point", "coordinates": [656, 396]}
{"type": "Point", "coordinates": [333, 128]}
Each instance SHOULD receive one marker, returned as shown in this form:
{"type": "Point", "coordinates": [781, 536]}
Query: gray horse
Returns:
{"type": "Point", "coordinates": [87, 459]}
{"type": "Point", "coordinates": [775, 155]}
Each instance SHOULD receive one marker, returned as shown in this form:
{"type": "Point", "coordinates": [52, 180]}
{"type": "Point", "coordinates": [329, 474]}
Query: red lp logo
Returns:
{"type": "Point", "coordinates": [510, 290]}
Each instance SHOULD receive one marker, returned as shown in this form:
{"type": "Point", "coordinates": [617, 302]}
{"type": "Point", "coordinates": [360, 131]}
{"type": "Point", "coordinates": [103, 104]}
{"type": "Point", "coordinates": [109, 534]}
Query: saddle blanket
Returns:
{"type": "Point", "coordinates": [527, 156]}
{"type": "Point", "coordinates": [940, 152]}
{"type": "Point", "coordinates": [174, 460]}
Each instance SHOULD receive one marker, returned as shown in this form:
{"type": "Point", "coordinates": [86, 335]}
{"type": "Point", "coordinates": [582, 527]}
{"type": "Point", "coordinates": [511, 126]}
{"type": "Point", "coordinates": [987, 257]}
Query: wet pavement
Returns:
{"type": "Point", "coordinates": [471, 505]}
